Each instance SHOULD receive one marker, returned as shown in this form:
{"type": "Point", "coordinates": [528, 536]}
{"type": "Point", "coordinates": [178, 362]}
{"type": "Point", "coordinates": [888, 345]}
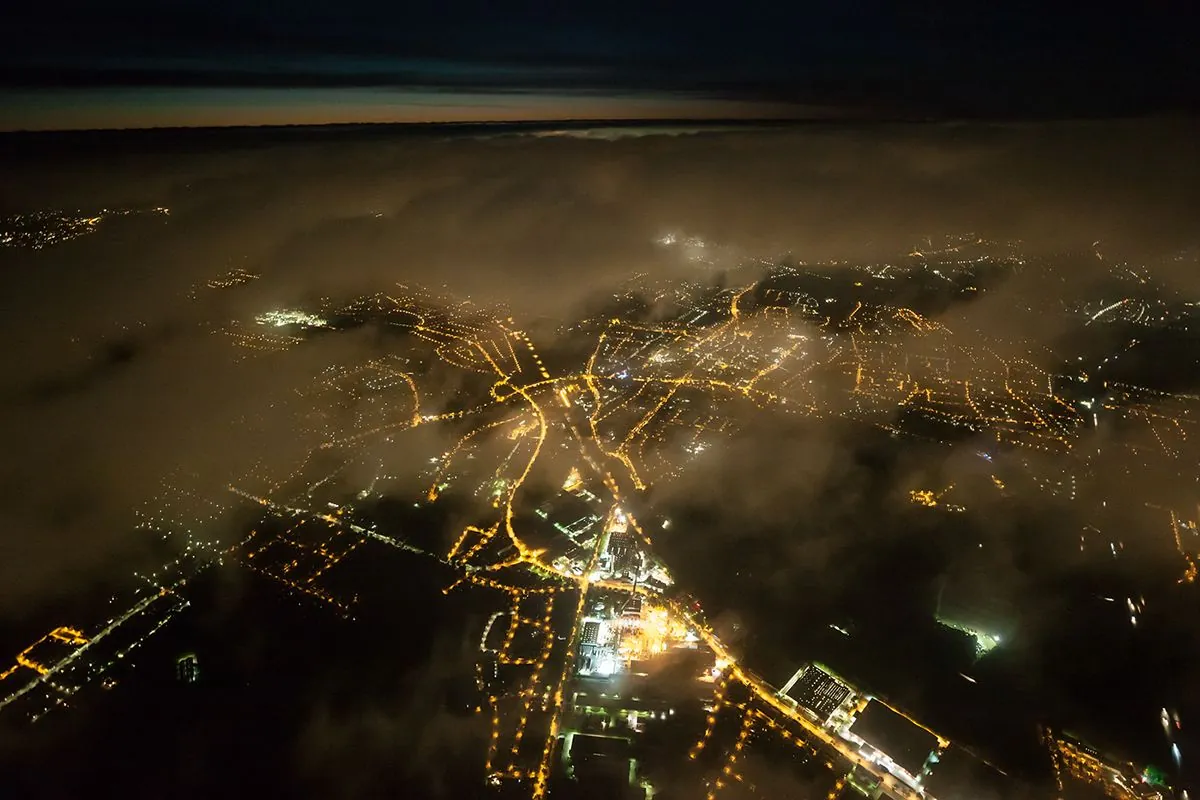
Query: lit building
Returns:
{"type": "Point", "coordinates": [604, 763]}
{"type": "Point", "coordinates": [819, 691]}
{"type": "Point", "coordinates": [894, 742]}
{"type": "Point", "coordinates": [187, 668]}
{"type": "Point", "coordinates": [622, 552]}
{"type": "Point", "coordinates": [1080, 767]}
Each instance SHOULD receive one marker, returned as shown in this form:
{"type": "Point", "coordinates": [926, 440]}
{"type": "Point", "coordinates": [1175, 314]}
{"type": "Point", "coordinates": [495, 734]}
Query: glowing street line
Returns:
{"type": "Point", "coordinates": [1105, 310]}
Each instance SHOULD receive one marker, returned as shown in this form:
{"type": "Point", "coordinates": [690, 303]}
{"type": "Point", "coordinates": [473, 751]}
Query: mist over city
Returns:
{"type": "Point", "coordinates": [392, 411]}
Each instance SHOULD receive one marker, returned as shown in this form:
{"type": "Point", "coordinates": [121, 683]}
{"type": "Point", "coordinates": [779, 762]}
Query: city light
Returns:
{"type": "Point", "coordinates": [556, 466]}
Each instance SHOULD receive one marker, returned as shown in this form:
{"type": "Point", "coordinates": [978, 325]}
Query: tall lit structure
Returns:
{"type": "Point", "coordinates": [187, 668]}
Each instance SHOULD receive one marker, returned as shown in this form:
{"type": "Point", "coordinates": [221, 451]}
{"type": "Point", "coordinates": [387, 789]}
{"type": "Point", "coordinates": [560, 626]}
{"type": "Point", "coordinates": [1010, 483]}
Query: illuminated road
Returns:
{"type": "Point", "coordinates": [583, 583]}
{"type": "Point", "coordinates": [591, 446]}
{"type": "Point", "coordinates": [45, 675]}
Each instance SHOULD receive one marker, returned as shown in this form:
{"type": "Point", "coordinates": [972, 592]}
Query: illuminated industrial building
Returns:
{"type": "Point", "coordinates": [819, 691]}
{"type": "Point", "coordinates": [894, 741]}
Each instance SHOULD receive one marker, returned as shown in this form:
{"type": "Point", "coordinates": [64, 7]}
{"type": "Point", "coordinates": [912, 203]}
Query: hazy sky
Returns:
{"type": "Point", "coordinates": [137, 63]}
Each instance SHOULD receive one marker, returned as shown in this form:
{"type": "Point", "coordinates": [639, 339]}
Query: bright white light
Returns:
{"type": "Point", "coordinates": [280, 319]}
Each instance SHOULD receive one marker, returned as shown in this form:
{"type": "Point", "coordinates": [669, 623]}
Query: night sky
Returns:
{"type": "Point", "coordinates": [139, 63]}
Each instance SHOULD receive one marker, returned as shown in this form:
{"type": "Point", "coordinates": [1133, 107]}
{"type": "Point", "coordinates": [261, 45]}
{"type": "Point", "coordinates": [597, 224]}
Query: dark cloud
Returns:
{"type": "Point", "coordinates": [340, 748]}
{"type": "Point", "coordinates": [966, 59]}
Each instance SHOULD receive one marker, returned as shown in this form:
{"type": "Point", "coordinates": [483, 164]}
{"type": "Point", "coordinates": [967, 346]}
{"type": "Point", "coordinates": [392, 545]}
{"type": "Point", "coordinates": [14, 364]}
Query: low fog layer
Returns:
{"type": "Point", "coordinates": [114, 378]}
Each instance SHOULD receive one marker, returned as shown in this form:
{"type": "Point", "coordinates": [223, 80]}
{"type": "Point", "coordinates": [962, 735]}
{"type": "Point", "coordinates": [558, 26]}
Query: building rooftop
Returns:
{"type": "Point", "coordinates": [819, 691]}
{"type": "Point", "coordinates": [902, 740]}
{"type": "Point", "coordinates": [959, 775]}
